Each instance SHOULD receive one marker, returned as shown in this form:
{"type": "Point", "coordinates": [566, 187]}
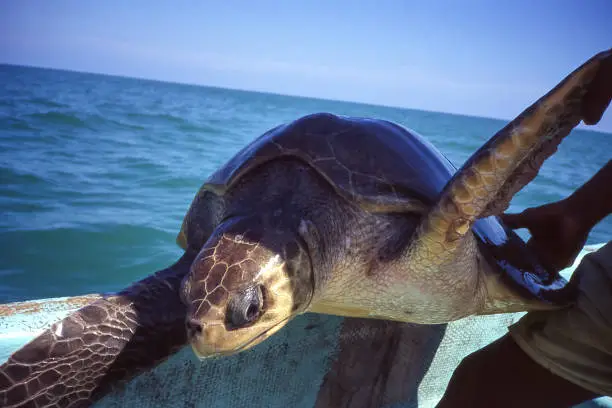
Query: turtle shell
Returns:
{"type": "Point", "coordinates": [381, 167]}
{"type": "Point", "coordinates": [376, 164]}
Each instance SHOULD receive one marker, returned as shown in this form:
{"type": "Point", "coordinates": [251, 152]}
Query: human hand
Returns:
{"type": "Point", "coordinates": [557, 232]}
{"type": "Point", "coordinates": [599, 94]}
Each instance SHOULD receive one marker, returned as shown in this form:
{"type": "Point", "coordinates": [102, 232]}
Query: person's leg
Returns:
{"type": "Point", "coordinates": [576, 343]}
{"type": "Point", "coordinates": [502, 375]}
{"type": "Point", "coordinates": [555, 359]}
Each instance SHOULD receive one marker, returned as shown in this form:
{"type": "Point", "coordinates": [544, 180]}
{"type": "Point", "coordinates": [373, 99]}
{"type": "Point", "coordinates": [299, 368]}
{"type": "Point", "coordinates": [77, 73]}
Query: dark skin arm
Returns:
{"type": "Point", "coordinates": [559, 230]}
{"type": "Point", "coordinates": [501, 374]}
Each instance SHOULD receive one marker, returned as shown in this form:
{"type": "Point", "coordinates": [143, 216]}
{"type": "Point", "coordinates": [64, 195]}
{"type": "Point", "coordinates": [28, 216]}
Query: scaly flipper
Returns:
{"type": "Point", "coordinates": [80, 358]}
{"type": "Point", "coordinates": [490, 178]}
{"type": "Point", "coordinates": [511, 159]}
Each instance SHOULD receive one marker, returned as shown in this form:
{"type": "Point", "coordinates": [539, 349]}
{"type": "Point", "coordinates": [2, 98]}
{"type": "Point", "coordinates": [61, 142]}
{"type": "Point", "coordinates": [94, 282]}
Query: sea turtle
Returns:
{"type": "Point", "coordinates": [328, 214]}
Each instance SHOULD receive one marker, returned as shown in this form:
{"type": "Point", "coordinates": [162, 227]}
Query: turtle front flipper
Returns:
{"type": "Point", "coordinates": [513, 157]}
{"type": "Point", "coordinates": [80, 358]}
{"type": "Point", "coordinates": [487, 182]}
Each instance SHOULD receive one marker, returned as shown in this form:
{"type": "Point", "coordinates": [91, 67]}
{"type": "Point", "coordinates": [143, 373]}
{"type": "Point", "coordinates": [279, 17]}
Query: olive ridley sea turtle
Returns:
{"type": "Point", "coordinates": [348, 216]}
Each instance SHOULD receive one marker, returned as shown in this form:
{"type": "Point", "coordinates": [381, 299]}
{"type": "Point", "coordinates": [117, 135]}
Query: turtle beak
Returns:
{"type": "Point", "coordinates": [194, 330]}
{"type": "Point", "coordinates": [199, 337]}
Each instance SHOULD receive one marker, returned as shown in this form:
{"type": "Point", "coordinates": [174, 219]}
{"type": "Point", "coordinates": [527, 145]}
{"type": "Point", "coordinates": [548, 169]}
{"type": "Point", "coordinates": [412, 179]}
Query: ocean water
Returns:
{"type": "Point", "coordinates": [96, 172]}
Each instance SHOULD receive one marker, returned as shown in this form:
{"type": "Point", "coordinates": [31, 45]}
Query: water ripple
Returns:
{"type": "Point", "coordinates": [96, 172]}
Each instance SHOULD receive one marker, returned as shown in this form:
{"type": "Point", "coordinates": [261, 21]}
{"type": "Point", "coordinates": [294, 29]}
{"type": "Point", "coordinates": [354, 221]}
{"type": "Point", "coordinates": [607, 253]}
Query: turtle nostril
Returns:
{"type": "Point", "coordinates": [194, 327]}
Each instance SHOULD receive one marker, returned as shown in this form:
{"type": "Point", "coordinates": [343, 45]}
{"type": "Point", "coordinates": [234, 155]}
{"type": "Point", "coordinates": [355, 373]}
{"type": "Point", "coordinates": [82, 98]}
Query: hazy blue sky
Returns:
{"type": "Point", "coordinates": [488, 58]}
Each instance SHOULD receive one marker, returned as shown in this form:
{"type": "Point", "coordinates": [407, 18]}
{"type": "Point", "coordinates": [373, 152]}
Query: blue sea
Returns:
{"type": "Point", "coordinates": [96, 172]}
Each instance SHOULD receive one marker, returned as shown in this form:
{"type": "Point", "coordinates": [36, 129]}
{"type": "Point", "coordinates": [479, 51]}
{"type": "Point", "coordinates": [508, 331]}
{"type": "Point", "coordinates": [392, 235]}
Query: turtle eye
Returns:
{"type": "Point", "coordinates": [245, 307]}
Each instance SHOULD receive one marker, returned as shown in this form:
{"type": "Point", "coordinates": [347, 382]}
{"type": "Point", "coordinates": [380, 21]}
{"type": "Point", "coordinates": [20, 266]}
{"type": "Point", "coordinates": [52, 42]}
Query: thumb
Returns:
{"type": "Point", "coordinates": [517, 220]}
{"type": "Point", "coordinates": [599, 93]}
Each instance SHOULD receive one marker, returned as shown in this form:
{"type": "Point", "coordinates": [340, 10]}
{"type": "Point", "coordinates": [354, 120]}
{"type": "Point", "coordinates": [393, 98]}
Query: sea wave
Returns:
{"type": "Point", "coordinates": [96, 172]}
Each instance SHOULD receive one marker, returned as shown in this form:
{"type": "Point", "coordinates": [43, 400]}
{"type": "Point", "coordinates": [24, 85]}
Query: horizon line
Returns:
{"type": "Point", "coordinates": [581, 126]}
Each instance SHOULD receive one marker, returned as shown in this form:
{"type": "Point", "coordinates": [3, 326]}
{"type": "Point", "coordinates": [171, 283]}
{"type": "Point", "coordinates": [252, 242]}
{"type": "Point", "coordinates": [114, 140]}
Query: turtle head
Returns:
{"type": "Point", "coordinates": [246, 283]}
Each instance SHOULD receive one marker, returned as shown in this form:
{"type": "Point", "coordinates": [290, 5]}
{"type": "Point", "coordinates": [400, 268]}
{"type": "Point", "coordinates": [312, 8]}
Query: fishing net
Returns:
{"type": "Point", "coordinates": [315, 361]}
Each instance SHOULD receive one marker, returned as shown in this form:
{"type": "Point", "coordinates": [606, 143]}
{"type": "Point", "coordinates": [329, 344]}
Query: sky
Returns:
{"type": "Point", "coordinates": [483, 58]}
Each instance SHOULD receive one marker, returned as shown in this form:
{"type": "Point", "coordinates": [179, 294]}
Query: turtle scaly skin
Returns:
{"type": "Point", "coordinates": [80, 358]}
